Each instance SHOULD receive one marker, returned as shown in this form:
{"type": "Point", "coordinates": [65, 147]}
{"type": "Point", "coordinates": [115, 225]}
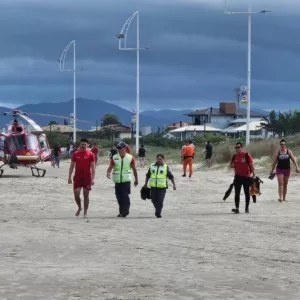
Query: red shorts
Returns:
{"type": "Point", "coordinates": [85, 182]}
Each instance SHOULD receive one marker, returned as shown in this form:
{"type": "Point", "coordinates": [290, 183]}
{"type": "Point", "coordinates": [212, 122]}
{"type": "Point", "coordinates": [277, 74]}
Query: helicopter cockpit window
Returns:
{"type": "Point", "coordinates": [17, 142]}
{"type": "Point", "coordinates": [43, 142]}
{"type": "Point", "coordinates": [32, 142]}
{"type": "Point", "coordinates": [2, 143]}
{"type": "Point", "coordinates": [2, 146]}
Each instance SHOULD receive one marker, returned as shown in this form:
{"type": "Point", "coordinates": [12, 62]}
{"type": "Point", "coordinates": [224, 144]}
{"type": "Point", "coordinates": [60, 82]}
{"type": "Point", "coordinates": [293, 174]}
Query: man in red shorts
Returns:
{"type": "Point", "coordinates": [84, 161]}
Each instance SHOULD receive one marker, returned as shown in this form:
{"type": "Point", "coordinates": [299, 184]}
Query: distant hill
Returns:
{"type": "Point", "coordinates": [169, 115]}
{"type": "Point", "coordinates": [87, 109]}
{"type": "Point", "coordinates": [3, 119]}
{"type": "Point", "coordinates": [93, 110]}
{"type": "Point", "coordinates": [261, 111]}
{"type": "Point", "coordinates": [4, 109]}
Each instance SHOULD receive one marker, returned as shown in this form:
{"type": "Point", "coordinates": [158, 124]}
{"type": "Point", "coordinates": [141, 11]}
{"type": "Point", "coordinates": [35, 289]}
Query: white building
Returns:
{"type": "Point", "coordinates": [187, 132]}
{"type": "Point", "coordinates": [220, 117]}
{"type": "Point", "coordinates": [239, 126]}
{"type": "Point", "coordinates": [146, 130]}
{"type": "Point", "coordinates": [227, 119]}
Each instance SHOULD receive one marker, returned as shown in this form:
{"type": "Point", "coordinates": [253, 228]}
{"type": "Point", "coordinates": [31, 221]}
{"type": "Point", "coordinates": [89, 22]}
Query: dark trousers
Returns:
{"type": "Point", "coordinates": [157, 198]}
{"type": "Point", "coordinates": [238, 183]}
{"type": "Point", "coordinates": [122, 193]}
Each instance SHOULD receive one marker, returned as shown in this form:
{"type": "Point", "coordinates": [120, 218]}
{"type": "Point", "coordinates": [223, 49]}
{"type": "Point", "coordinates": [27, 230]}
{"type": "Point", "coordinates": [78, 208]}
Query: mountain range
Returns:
{"type": "Point", "coordinates": [94, 110]}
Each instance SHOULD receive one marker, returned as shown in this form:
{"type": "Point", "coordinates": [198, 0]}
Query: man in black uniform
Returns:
{"type": "Point", "coordinates": [208, 153]}
{"type": "Point", "coordinates": [142, 156]}
{"type": "Point", "coordinates": [113, 151]}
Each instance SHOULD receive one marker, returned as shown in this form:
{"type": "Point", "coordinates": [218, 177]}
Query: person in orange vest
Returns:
{"type": "Point", "coordinates": [188, 154]}
{"type": "Point", "coordinates": [183, 147]}
{"type": "Point", "coordinates": [182, 150]}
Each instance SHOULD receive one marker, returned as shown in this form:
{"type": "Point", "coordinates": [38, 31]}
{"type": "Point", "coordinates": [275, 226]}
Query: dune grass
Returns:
{"type": "Point", "coordinates": [261, 150]}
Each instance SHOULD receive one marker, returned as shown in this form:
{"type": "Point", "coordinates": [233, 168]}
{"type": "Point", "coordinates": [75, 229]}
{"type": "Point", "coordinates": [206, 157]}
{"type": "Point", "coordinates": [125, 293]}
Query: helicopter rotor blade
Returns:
{"type": "Point", "coordinates": [31, 122]}
{"type": "Point", "coordinates": [58, 116]}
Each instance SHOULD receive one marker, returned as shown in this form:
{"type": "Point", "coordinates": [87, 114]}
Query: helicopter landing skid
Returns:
{"type": "Point", "coordinates": [36, 172]}
{"type": "Point", "coordinates": [1, 171]}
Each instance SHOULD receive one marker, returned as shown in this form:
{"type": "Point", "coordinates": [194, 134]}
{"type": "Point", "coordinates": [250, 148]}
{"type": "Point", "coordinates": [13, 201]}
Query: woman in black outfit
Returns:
{"type": "Point", "coordinates": [282, 163]}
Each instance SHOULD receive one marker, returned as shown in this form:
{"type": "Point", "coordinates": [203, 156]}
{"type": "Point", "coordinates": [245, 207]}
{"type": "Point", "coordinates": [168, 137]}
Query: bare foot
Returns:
{"type": "Point", "coordinates": [85, 214]}
{"type": "Point", "coordinates": [78, 212]}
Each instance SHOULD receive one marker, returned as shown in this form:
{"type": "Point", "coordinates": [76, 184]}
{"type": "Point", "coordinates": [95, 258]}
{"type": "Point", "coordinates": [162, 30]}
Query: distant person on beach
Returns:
{"type": "Point", "coordinates": [158, 175]}
{"type": "Point", "coordinates": [57, 154]}
{"type": "Point", "coordinates": [113, 151]}
{"type": "Point", "coordinates": [142, 156]}
{"type": "Point", "coordinates": [52, 157]}
{"type": "Point", "coordinates": [188, 156]}
{"type": "Point", "coordinates": [84, 162]}
{"type": "Point", "coordinates": [282, 163]}
{"type": "Point", "coordinates": [68, 149]}
{"type": "Point", "coordinates": [243, 166]}
{"type": "Point", "coordinates": [208, 153]}
{"type": "Point", "coordinates": [123, 165]}
{"type": "Point", "coordinates": [95, 151]}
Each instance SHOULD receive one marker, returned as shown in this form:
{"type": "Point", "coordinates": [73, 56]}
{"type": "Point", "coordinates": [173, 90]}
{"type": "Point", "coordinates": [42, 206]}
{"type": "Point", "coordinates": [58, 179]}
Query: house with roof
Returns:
{"type": "Point", "coordinates": [238, 128]}
{"type": "Point", "coordinates": [226, 119]}
{"type": "Point", "coordinates": [221, 116]}
{"type": "Point", "coordinates": [177, 125]}
{"type": "Point", "coordinates": [118, 131]}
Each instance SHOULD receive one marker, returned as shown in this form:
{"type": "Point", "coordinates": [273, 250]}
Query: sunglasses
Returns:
{"type": "Point", "coordinates": [237, 147]}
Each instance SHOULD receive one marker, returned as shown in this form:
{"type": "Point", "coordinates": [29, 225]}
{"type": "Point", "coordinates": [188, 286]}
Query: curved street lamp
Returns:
{"type": "Point", "coordinates": [123, 47]}
{"type": "Point", "coordinates": [63, 69]}
{"type": "Point", "coordinates": [249, 13]}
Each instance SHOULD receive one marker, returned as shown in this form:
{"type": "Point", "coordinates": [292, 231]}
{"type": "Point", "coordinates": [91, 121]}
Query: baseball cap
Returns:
{"type": "Point", "coordinates": [121, 145]}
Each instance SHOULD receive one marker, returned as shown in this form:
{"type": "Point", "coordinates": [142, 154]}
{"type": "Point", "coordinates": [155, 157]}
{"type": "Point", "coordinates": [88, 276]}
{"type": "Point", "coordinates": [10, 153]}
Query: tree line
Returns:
{"type": "Point", "coordinates": [282, 124]}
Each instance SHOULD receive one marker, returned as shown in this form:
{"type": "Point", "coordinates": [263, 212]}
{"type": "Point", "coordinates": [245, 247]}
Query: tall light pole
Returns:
{"type": "Point", "coordinates": [250, 13]}
{"type": "Point", "coordinates": [123, 46]}
{"type": "Point", "coordinates": [62, 69]}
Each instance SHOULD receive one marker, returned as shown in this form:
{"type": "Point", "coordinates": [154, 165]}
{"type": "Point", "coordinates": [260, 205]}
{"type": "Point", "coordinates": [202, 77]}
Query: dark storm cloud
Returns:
{"type": "Point", "coordinates": [197, 54]}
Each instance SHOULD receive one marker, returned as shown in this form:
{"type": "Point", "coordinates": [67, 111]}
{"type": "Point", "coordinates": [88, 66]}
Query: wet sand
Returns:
{"type": "Point", "coordinates": [198, 250]}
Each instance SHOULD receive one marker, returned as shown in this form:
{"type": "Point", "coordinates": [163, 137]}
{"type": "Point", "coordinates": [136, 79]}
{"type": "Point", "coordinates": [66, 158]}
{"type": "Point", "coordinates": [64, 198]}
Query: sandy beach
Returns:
{"type": "Point", "coordinates": [198, 250]}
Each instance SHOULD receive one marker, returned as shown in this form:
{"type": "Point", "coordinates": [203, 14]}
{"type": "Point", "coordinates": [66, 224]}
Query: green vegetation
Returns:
{"type": "Point", "coordinates": [109, 119]}
{"type": "Point", "coordinates": [223, 147]}
{"type": "Point", "coordinates": [56, 137]}
{"type": "Point", "coordinates": [53, 123]}
{"type": "Point", "coordinates": [283, 124]}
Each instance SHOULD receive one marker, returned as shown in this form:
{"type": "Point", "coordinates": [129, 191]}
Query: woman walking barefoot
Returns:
{"type": "Point", "coordinates": [282, 163]}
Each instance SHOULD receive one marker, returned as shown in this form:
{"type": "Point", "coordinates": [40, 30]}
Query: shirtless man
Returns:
{"type": "Point", "coordinates": [84, 162]}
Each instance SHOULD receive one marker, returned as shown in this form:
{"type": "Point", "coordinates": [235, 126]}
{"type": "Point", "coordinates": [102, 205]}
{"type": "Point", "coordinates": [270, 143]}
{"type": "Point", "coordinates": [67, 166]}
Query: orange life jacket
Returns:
{"type": "Point", "coordinates": [189, 151]}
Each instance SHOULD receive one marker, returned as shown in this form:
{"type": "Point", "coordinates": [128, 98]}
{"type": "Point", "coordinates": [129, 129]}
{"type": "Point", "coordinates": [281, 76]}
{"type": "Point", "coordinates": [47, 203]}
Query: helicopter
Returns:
{"type": "Point", "coordinates": [20, 147]}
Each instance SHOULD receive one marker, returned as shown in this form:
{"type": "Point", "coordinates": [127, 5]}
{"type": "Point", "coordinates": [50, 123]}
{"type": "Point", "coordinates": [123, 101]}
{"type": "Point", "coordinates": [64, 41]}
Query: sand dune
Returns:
{"type": "Point", "coordinates": [198, 250]}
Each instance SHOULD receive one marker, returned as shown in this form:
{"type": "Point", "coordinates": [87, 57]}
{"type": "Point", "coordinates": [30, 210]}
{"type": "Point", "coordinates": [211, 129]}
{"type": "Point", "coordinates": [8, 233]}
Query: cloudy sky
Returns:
{"type": "Point", "coordinates": [197, 54]}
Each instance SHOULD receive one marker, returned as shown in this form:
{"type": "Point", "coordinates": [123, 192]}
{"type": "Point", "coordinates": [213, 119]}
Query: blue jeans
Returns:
{"type": "Point", "coordinates": [57, 160]}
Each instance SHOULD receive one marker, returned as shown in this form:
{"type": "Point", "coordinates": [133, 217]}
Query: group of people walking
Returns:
{"type": "Point", "coordinates": [242, 162]}
{"type": "Point", "coordinates": [122, 170]}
